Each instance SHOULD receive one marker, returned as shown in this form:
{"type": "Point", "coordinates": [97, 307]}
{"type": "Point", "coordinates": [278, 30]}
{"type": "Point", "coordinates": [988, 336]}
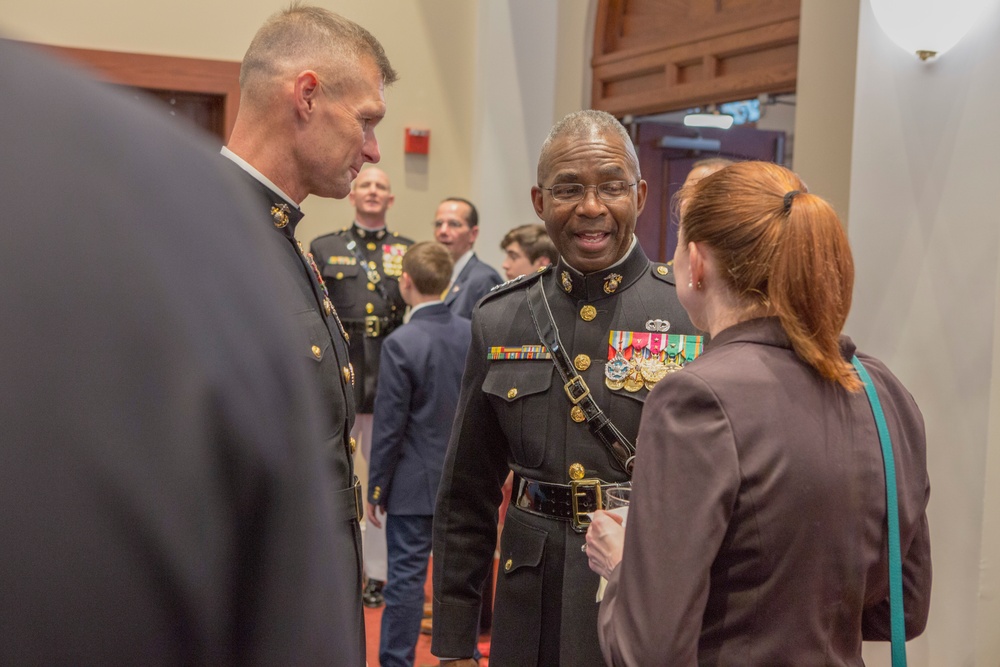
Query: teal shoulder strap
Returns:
{"type": "Point", "coordinates": [892, 513]}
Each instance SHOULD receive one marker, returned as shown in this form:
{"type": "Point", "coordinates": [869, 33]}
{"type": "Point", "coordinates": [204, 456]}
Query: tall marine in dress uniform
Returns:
{"type": "Point", "coordinates": [622, 329]}
{"type": "Point", "coordinates": [361, 266]}
{"type": "Point", "coordinates": [306, 125]}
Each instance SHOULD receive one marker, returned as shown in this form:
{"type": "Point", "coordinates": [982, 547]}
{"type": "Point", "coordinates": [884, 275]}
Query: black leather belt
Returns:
{"type": "Point", "coordinates": [372, 326]}
{"type": "Point", "coordinates": [348, 503]}
{"type": "Point", "coordinates": [564, 502]}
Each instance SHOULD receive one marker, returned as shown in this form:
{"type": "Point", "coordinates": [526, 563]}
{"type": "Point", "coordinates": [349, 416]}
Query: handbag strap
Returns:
{"type": "Point", "coordinates": [576, 389]}
{"type": "Point", "coordinates": [898, 626]}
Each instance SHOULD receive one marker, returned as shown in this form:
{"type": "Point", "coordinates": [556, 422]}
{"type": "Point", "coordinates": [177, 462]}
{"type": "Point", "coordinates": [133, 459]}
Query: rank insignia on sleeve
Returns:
{"type": "Point", "coordinates": [518, 352]}
{"type": "Point", "coordinates": [638, 359]}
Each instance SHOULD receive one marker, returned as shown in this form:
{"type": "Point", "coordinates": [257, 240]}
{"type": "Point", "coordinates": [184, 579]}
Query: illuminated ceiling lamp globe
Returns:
{"type": "Point", "coordinates": [928, 28]}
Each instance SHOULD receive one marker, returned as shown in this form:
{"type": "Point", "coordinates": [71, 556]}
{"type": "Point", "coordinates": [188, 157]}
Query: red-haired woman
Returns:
{"type": "Point", "coordinates": [757, 528]}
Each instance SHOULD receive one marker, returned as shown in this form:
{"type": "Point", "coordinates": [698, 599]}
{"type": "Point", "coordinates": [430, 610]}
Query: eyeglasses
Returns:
{"type": "Point", "coordinates": [607, 191]}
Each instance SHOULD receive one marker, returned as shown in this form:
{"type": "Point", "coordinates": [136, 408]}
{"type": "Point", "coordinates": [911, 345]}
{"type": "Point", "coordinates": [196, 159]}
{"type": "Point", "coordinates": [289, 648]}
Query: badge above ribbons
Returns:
{"type": "Point", "coordinates": [638, 359]}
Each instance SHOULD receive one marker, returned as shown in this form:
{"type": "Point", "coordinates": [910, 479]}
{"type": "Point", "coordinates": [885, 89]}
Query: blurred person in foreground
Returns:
{"type": "Point", "coordinates": [167, 499]}
{"type": "Point", "coordinates": [527, 249]}
{"type": "Point", "coordinates": [311, 93]}
{"type": "Point", "coordinates": [757, 526]}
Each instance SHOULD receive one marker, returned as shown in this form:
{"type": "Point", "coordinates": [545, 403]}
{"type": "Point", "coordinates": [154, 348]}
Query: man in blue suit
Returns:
{"type": "Point", "coordinates": [456, 226]}
{"type": "Point", "coordinates": [420, 375]}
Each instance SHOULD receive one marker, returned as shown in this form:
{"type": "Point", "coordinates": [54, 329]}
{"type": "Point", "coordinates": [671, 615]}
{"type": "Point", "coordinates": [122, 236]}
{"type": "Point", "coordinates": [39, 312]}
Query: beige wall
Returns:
{"type": "Point", "coordinates": [824, 110]}
{"type": "Point", "coordinates": [924, 205]}
{"type": "Point", "coordinates": [431, 44]}
{"type": "Point", "coordinates": [480, 75]}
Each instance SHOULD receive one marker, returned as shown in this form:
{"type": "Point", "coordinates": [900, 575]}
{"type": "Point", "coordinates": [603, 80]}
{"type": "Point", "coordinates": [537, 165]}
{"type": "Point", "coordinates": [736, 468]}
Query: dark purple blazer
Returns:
{"type": "Point", "coordinates": [757, 530]}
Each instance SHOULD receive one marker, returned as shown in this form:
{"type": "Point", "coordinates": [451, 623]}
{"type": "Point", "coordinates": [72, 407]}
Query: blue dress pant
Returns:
{"type": "Point", "coordinates": [408, 541]}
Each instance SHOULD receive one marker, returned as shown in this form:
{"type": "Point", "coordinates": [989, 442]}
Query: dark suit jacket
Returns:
{"type": "Point", "coordinates": [419, 380]}
{"type": "Point", "coordinates": [166, 499]}
{"type": "Point", "coordinates": [756, 533]}
{"type": "Point", "coordinates": [476, 279]}
{"type": "Point", "coordinates": [514, 413]}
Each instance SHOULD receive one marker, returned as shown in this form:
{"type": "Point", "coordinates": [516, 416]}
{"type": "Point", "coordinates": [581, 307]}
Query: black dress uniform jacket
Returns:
{"type": "Point", "coordinates": [324, 347]}
{"type": "Point", "coordinates": [363, 282]}
{"type": "Point", "coordinates": [514, 412]}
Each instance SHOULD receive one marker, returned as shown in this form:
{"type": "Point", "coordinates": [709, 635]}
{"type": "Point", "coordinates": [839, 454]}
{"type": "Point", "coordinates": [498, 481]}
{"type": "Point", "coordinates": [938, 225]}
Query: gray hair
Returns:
{"type": "Point", "coordinates": [585, 124]}
{"type": "Point", "coordinates": [304, 37]}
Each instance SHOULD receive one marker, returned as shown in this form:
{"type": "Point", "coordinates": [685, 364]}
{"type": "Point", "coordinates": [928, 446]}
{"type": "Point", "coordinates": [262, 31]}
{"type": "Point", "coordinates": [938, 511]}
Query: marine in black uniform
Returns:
{"type": "Point", "coordinates": [361, 265]}
{"type": "Point", "coordinates": [623, 328]}
{"type": "Point", "coordinates": [306, 126]}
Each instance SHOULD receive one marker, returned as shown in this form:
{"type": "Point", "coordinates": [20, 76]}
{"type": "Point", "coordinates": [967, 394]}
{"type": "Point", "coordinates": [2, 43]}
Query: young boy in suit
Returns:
{"type": "Point", "coordinates": [420, 374]}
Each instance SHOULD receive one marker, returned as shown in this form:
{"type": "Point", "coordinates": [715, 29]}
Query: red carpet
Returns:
{"type": "Point", "coordinates": [373, 623]}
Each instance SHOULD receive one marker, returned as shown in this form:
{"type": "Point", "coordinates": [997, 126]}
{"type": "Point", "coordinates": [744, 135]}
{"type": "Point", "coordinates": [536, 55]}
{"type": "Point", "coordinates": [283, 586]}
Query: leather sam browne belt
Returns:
{"type": "Point", "coordinates": [620, 447]}
{"type": "Point", "coordinates": [564, 502]}
{"type": "Point", "coordinates": [372, 326]}
{"type": "Point", "coordinates": [348, 504]}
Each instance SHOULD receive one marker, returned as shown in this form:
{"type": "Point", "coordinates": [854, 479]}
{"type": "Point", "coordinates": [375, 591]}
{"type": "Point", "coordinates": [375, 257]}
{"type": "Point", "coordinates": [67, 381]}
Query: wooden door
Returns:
{"type": "Point", "coordinates": [666, 153]}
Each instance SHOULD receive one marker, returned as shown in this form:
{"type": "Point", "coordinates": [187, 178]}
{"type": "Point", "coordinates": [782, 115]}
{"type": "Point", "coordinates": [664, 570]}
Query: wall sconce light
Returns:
{"type": "Point", "coordinates": [927, 28]}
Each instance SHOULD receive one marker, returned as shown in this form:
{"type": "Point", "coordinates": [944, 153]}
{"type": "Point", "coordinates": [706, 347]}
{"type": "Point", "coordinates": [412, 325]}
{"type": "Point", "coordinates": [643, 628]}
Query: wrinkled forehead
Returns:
{"type": "Point", "coordinates": [605, 153]}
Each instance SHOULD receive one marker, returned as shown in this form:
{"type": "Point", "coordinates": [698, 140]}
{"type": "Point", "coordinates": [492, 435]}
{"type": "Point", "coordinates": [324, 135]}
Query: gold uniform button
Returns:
{"type": "Point", "coordinates": [577, 471]}
{"type": "Point", "coordinates": [316, 351]}
{"type": "Point", "coordinates": [371, 246]}
{"type": "Point", "coordinates": [662, 270]}
{"type": "Point", "coordinates": [588, 313]}
{"type": "Point", "coordinates": [354, 445]}
{"type": "Point", "coordinates": [508, 565]}
{"type": "Point", "coordinates": [377, 493]}
{"type": "Point", "coordinates": [369, 308]}
{"type": "Point", "coordinates": [340, 275]}
{"type": "Point", "coordinates": [582, 362]}
{"type": "Point", "coordinates": [347, 374]}
{"type": "Point", "coordinates": [371, 287]}
{"type": "Point", "coordinates": [577, 414]}
{"type": "Point", "coordinates": [371, 265]}
{"type": "Point", "coordinates": [512, 392]}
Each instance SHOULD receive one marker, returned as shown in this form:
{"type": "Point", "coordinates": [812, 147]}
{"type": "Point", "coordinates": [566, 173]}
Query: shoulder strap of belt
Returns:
{"type": "Point", "coordinates": [576, 389]}
{"type": "Point", "coordinates": [373, 275]}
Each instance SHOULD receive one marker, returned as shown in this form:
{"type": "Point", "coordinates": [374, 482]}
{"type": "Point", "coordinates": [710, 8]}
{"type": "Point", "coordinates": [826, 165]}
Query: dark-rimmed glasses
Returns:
{"type": "Point", "coordinates": [607, 191]}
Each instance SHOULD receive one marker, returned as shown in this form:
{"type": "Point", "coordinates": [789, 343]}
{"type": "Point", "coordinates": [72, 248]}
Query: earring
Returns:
{"type": "Point", "coordinates": [690, 285]}
{"type": "Point", "coordinates": [699, 284]}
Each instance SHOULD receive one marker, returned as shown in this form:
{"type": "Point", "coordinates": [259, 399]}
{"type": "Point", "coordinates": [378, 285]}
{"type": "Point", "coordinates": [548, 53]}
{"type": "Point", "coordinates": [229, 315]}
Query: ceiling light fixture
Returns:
{"type": "Point", "coordinates": [927, 28]}
{"type": "Point", "coordinates": [718, 120]}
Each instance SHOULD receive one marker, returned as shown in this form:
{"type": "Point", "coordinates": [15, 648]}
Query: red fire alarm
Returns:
{"type": "Point", "coordinates": [418, 141]}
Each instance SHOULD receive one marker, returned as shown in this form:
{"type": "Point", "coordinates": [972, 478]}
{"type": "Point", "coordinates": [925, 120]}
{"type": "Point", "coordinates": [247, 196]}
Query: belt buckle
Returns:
{"type": "Point", "coordinates": [373, 326]}
{"type": "Point", "coordinates": [576, 382]}
{"type": "Point", "coordinates": [580, 519]}
{"type": "Point", "coordinates": [359, 506]}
